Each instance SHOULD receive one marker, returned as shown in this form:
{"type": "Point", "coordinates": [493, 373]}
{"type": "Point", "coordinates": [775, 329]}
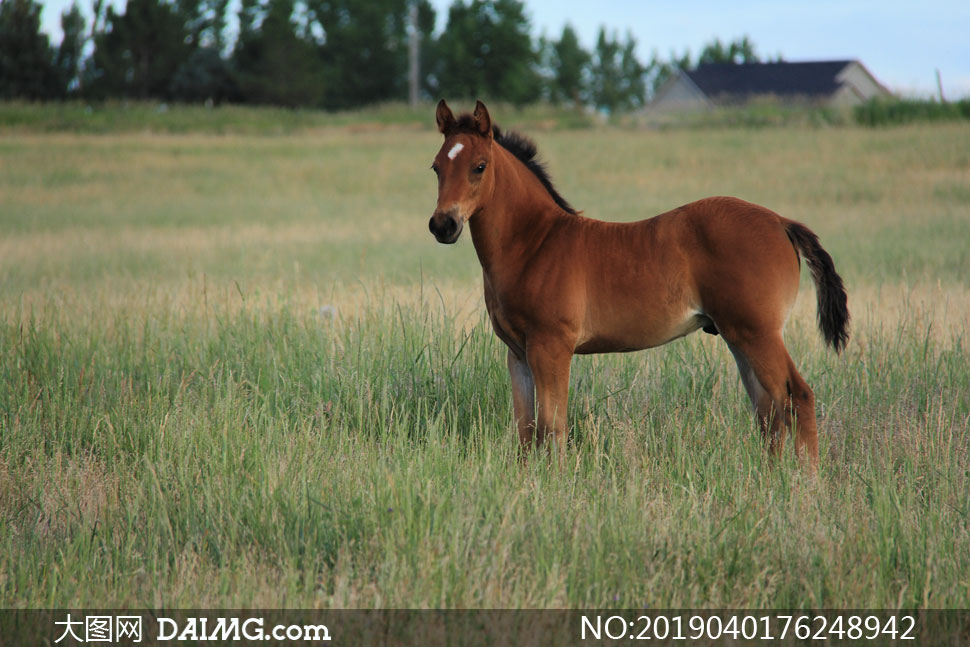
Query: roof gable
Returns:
{"type": "Point", "coordinates": [818, 79]}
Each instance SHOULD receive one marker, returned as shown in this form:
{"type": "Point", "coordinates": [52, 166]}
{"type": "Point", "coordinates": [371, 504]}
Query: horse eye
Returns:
{"type": "Point", "coordinates": [480, 168]}
{"type": "Point", "coordinates": [434, 167]}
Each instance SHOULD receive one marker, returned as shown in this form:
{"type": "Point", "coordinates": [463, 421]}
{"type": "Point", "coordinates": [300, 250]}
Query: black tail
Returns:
{"type": "Point", "coordinates": [833, 310]}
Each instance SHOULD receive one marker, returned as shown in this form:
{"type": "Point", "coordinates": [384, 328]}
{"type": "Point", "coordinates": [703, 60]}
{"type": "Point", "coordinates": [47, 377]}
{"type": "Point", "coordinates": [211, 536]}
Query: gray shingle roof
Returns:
{"type": "Point", "coordinates": [814, 79]}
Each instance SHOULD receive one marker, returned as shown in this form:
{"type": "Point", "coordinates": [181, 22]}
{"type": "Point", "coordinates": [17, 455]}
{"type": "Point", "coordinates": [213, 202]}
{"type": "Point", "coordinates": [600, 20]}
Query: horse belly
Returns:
{"type": "Point", "coordinates": [647, 332]}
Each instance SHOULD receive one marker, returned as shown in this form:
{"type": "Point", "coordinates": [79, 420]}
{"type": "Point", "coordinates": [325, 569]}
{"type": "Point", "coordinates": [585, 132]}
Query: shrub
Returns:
{"type": "Point", "coordinates": [882, 112]}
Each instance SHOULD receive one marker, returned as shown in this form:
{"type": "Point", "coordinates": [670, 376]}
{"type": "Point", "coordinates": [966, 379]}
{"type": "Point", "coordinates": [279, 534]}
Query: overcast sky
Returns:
{"type": "Point", "coordinates": [901, 42]}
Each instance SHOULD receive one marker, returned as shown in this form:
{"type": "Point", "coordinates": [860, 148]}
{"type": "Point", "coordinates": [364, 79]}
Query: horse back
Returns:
{"type": "Point", "coordinates": [717, 259]}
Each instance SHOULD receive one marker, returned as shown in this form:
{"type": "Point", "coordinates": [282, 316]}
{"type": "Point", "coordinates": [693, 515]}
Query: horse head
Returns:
{"type": "Point", "coordinates": [465, 179]}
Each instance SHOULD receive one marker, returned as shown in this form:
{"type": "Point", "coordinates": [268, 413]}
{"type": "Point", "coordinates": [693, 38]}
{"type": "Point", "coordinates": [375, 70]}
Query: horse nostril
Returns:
{"type": "Point", "coordinates": [445, 227]}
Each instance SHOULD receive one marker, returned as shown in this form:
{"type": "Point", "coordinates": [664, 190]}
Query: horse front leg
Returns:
{"type": "Point", "coordinates": [523, 399]}
{"type": "Point", "coordinates": [549, 362]}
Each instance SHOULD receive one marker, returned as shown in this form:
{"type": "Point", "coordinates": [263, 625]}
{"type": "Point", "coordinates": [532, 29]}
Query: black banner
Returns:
{"type": "Point", "coordinates": [525, 628]}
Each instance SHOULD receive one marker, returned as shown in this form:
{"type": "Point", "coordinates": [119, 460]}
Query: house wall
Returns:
{"type": "Point", "coordinates": [680, 94]}
{"type": "Point", "coordinates": [861, 86]}
{"type": "Point", "coordinates": [845, 96]}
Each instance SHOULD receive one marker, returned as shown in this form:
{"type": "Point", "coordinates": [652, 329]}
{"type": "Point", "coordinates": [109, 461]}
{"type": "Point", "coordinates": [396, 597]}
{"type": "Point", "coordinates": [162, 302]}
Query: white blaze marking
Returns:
{"type": "Point", "coordinates": [453, 153]}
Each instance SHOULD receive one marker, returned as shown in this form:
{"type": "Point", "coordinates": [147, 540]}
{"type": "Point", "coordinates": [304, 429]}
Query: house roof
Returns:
{"type": "Point", "coordinates": [782, 79]}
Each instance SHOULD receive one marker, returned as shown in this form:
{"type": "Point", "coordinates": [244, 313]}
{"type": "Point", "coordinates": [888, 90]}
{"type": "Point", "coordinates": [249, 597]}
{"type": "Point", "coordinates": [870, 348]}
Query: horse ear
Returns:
{"type": "Point", "coordinates": [482, 121]}
{"type": "Point", "coordinates": [444, 117]}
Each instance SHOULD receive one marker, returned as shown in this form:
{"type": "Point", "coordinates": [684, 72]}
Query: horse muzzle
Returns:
{"type": "Point", "coordinates": [446, 227]}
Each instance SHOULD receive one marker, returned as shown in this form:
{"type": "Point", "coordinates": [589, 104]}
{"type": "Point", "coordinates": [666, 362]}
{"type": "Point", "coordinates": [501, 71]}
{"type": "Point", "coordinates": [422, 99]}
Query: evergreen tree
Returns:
{"type": "Point", "coordinates": [740, 50]}
{"type": "Point", "coordinates": [329, 53]}
{"type": "Point", "coordinates": [68, 60]}
{"type": "Point", "coordinates": [205, 75]}
{"type": "Point", "coordinates": [633, 72]}
{"type": "Point", "coordinates": [364, 47]}
{"type": "Point", "coordinates": [570, 68]}
{"type": "Point", "coordinates": [660, 71]}
{"type": "Point", "coordinates": [205, 21]}
{"type": "Point", "coordinates": [140, 50]}
{"type": "Point", "coordinates": [26, 60]}
{"type": "Point", "coordinates": [618, 77]}
{"type": "Point", "coordinates": [273, 63]}
{"type": "Point", "coordinates": [486, 52]}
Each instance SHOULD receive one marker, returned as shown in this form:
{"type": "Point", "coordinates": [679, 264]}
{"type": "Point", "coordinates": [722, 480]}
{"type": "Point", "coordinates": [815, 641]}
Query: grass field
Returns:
{"type": "Point", "coordinates": [236, 371]}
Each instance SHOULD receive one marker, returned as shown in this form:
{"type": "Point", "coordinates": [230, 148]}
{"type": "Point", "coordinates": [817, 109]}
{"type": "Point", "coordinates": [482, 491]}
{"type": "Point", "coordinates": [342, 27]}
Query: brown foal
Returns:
{"type": "Point", "coordinates": [558, 283]}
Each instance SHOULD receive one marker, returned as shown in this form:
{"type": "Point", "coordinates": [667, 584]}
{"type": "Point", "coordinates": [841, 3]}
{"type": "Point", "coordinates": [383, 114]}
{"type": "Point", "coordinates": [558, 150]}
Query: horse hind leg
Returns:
{"type": "Point", "coordinates": [762, 401]}
{"type": "Point", "coordinates": [802, 400]}
{"type": "Point", "coordinates": [781, 398]}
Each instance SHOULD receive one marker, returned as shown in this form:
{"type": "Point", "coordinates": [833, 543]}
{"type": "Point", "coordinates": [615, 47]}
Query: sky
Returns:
{"type": "Point", "coordinates": [902, 43]}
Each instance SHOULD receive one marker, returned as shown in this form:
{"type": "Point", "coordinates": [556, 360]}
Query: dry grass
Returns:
{"type": "Point", "coordinates": [238, 372]}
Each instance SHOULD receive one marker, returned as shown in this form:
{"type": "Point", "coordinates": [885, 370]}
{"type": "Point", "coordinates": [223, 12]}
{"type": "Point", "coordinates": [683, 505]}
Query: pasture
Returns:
{"type": "Point", "coordinates": [237, 371]}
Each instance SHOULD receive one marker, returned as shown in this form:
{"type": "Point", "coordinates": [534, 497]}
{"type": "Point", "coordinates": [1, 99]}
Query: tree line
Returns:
{"type": "Point", "coordinates": [332, 54]}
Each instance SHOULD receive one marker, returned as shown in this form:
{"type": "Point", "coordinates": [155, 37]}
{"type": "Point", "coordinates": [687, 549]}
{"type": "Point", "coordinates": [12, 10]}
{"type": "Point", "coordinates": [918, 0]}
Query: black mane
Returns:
{"type": "Point", "coordinates": [525, 151]}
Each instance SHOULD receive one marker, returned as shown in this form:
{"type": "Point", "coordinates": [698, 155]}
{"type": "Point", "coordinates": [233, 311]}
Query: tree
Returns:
{"type": "Point", "coordinates": [486, 52]}
{"type": "Point", "coordinates": [660, 71]}
{"type": "Point", "coordinates": [618, 77]}
{"type": "Point", "coordinates": [632, 72]}
{"type": "Point", "coordinates": [570, 68]}
{"type": "Point", "coordinates": [273, 63]}
{"type": "Point", "coordinates": [140, 50]}
{"type": "Point", "coordinates": [26, 59]}
{"type": "Point", "coordinates": [68, 60]}
{"type": "Point", "coordinates": [205, 76]}
{"type": "Point", "coordinates": [364, 48]}
{"type": "Point", "coordinates": [740, 50]}
{"type": "Point", "coordinates": [205, 22]}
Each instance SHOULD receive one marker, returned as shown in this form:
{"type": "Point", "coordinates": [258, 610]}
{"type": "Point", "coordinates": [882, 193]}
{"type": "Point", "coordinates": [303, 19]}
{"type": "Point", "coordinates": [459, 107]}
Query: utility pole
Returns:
{"type": "Point", "coordinates": [413, 53]}
{"type": "Point", "coordinates": [939, 86]}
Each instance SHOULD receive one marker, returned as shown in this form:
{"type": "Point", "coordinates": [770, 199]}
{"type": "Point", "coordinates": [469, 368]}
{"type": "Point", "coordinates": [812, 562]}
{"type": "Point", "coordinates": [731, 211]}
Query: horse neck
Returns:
{"type": "Point", "coordinates": [513, 224]}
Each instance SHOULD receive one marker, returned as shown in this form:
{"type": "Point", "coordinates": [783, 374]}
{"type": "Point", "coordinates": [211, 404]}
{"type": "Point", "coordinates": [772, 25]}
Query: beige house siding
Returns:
{"type": "Point", "coordinates": [861, 83]}
{"type": "Point", "coordinates": [680, 93]}
{"type": "Point", "coordinates": [845, 96]}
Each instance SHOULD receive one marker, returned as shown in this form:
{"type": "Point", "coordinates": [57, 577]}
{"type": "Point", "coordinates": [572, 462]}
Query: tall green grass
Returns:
{"type": "Point", "coordinates": [265, 458]}
{"type": "Point", "coordinates": [103, 117]}
{"type": "Point", "coordinates": [235, 371]}
{"type": "Point", "coordinates": [107, 117]}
